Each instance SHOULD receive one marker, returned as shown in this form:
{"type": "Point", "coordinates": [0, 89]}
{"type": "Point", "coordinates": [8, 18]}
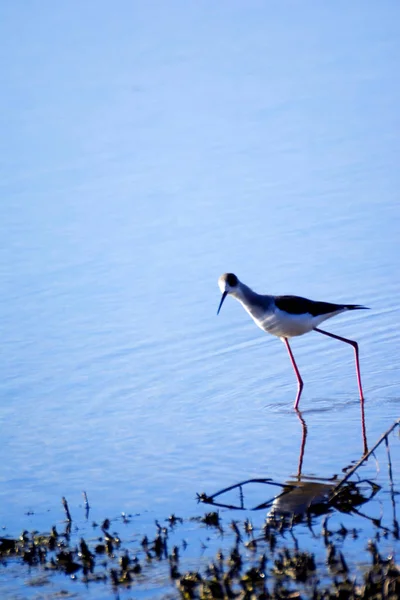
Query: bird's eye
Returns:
{"type": "Point", "coordinates": [232, 279]}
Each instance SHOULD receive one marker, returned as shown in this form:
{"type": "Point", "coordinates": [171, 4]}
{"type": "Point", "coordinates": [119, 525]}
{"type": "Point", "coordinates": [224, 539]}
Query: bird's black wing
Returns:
{"type": "Point", "coordinates": [295, 305]}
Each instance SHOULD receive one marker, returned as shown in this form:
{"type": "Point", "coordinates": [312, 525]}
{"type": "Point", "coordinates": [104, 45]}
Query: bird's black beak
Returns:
{"type": "Point", "coordinates": [224, 295]}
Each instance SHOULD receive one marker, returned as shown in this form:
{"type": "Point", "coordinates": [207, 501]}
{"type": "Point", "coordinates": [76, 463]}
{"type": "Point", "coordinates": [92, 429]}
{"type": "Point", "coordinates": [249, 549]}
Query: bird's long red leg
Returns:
{"type": "Point", "coordinates": [355, 346]}
{"type": "Point", "coordinates": [300, 383]}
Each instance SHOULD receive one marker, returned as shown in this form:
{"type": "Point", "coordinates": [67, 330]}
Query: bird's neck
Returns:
{"type": "Point", "coordinates": [243, 293]}
{"type": "Point", "coordinates": [250, 300]}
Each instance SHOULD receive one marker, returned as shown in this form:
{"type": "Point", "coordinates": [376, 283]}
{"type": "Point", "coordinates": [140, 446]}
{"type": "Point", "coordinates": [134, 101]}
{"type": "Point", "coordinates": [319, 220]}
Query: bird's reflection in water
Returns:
{"type": "Point", "coordinates": [363, 429]}
{"type": "Point", "coordinates": [304, 493]}
{"type": "Point", "coordinates": [299, 496]}
{"type": "Point", "coordinates": [301, 493]}
{"type": "Point", "coordinates": [304, 439]}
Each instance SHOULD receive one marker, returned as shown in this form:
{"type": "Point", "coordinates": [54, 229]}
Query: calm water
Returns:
{"type": "Point", "coordinates": [147, 148]}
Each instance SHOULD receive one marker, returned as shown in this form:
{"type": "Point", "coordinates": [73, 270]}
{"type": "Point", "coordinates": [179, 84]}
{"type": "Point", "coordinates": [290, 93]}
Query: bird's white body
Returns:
{"type": "Point", "coordinates": [279, 323]}
{"type": "Point", "coordinates": [284, 325]}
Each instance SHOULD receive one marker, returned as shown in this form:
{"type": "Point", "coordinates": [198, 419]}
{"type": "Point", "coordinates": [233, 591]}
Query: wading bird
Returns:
{"type": "Point", "coordinates": [287, 317]}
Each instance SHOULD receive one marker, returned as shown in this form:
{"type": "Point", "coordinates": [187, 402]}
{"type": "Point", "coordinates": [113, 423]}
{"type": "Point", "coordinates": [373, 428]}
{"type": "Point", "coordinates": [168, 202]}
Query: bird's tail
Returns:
{"type": "Point", "coordinates": [355, 306]}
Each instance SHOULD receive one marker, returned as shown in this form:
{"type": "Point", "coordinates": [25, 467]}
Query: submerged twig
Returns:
{"type": "Point", "coordinates": [87, 505]}
{"type": "Point", "coordinates": [364, 458]}
{"type": "Point", "coordinates": [85, 498]}
{"type": "Point", "coordinates": [391, 487]}
{"type": "Point", "coordinates": [67, 513]}
{"type": "Point", "coordinates": [264, 480]}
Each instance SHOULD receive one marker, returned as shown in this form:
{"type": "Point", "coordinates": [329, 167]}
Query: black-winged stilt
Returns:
{"type": "Point", "coordinates": [287, 317]}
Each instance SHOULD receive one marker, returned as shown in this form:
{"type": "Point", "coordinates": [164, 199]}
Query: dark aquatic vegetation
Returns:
{"type": "Point", "coordinates": [66, 508]}
{"type": "Point", "coordinates": [212, 519]}
{"type": "Point", "coordinates": [259, 561]}
{"type": "Point", "coordinates": [281, 570]}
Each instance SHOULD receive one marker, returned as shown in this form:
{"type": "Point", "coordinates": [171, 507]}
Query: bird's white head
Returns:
{"type": "Point", "coordinates": [228, 283]}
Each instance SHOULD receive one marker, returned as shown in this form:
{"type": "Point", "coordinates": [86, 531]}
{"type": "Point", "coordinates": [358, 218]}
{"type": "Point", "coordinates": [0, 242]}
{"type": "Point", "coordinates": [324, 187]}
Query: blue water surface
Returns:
{"type": "Point", "coordinates": [146, 148]}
